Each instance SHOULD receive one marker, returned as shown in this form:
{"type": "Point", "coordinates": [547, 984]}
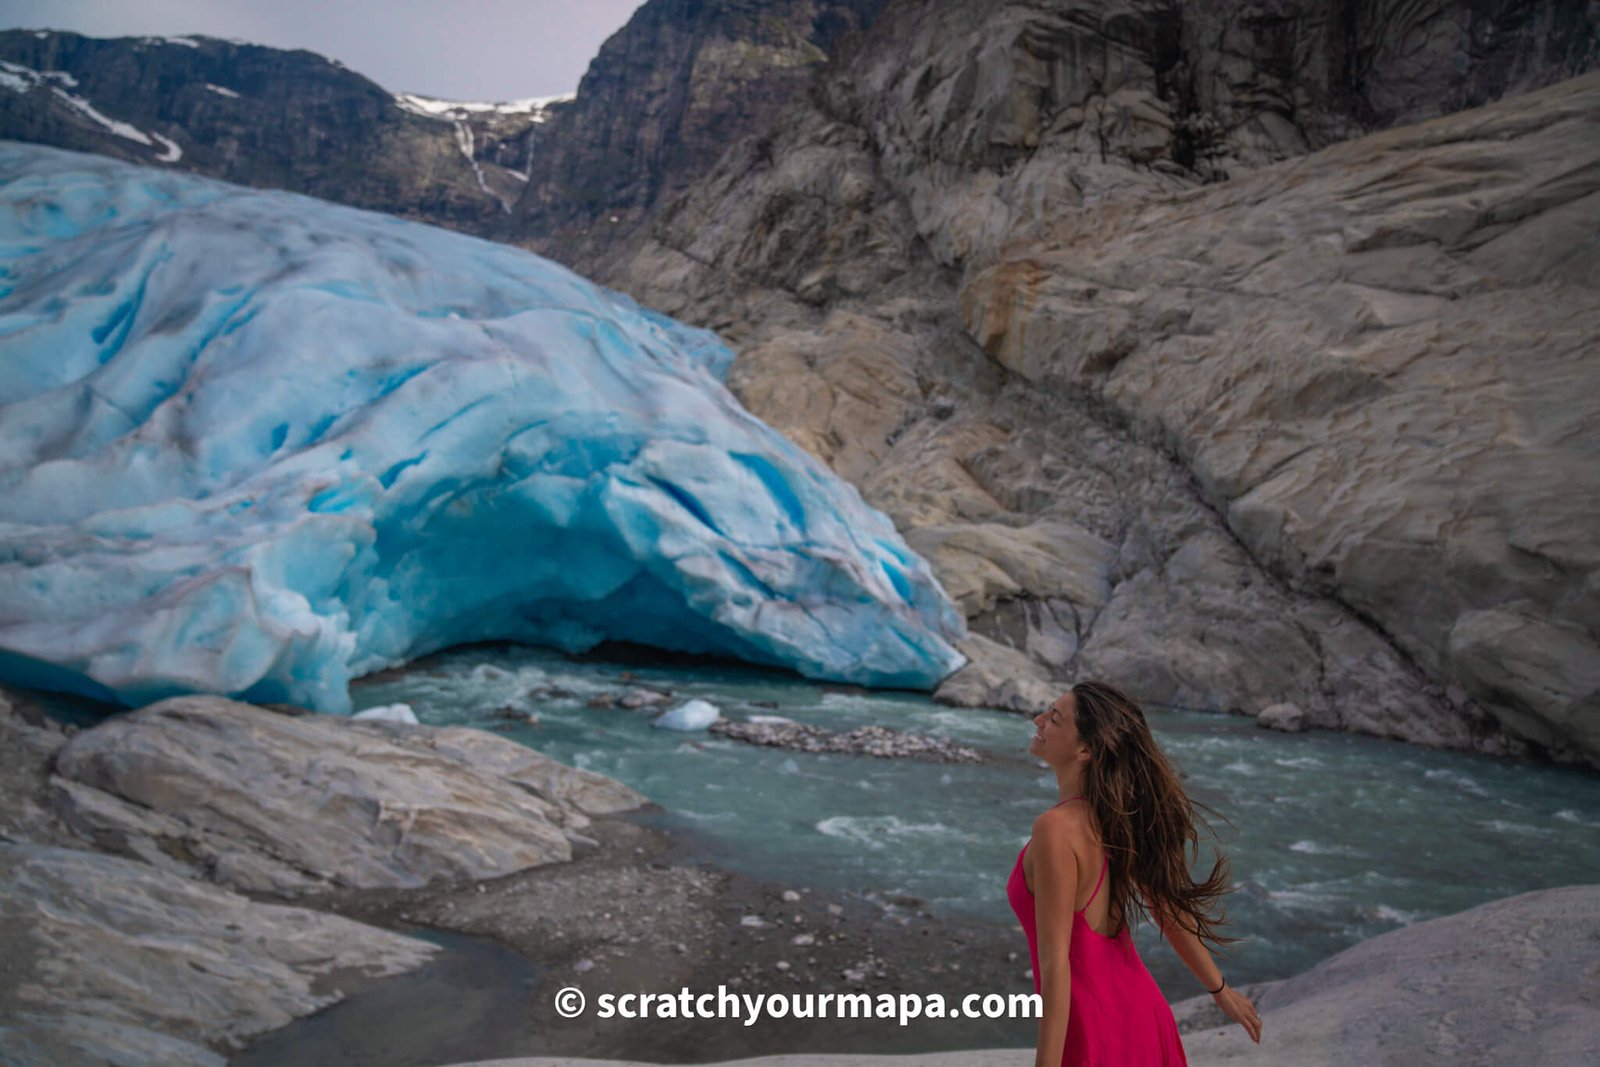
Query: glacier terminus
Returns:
{"type": "Point", "coordinates": [259, 445]}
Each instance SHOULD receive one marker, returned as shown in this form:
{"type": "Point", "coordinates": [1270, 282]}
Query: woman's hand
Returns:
{"type": "Point", "coordinates": [1236, 1006]}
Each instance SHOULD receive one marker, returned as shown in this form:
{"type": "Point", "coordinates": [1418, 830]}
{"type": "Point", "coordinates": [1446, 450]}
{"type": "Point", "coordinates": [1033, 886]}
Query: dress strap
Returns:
{"type": "Point", "coordinates": [1103, 868]}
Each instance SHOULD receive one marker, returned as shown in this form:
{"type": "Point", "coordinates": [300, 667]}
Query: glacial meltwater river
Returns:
{"type": "Point", "coordinates": [1334, 838]}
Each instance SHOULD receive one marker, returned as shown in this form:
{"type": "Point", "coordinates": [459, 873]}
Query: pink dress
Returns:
{"type": "Point", "coordinates": [1119, 1017]}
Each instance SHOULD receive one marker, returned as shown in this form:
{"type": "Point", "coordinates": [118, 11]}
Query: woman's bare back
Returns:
{"type": "Point", "coordinates": [1090, 854]}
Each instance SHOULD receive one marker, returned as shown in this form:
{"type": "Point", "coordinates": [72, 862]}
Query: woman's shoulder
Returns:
{"type": "Point", "coordinates": [1068, 824]}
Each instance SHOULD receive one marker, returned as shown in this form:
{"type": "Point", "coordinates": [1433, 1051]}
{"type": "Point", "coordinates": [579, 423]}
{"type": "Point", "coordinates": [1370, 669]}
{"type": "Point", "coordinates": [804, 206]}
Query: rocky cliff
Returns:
{"type": "Point", "coordinates": [264, 117]}
{"type": "Point", "coordinates": [1171, 382]}
{"type": "Point", "coordinates": [661, 103]}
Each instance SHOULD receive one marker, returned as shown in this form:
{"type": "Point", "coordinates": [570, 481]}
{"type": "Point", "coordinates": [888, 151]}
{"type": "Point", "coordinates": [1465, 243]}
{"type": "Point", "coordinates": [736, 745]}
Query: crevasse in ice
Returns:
{"type": "Point", "coordinates": [256, 444]}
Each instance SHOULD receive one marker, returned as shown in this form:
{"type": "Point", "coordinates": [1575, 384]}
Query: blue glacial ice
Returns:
{"type": "Point", "coordinates": [256, 444]}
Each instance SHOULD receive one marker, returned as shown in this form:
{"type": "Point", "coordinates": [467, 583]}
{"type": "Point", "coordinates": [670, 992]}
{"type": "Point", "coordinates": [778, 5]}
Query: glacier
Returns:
{"type": "Point", "coordinates": [259, 445]}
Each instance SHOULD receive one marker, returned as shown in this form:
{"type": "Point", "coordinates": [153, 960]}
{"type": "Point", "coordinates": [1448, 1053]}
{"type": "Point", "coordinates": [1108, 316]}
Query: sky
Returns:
{"type": "Point", "coordinates": [455, 49]}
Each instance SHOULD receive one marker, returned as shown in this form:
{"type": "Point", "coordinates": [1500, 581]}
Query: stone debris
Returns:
{"type": "Point", "coordinates": [878, 741]}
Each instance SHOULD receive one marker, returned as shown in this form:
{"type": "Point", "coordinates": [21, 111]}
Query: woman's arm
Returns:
{"type": "Point", "coordinates": [1192, 952]}
{"type": "Point", "coordinates": [1055, 884]}
{"type": "Point", "coordinates": [1234, 1004]}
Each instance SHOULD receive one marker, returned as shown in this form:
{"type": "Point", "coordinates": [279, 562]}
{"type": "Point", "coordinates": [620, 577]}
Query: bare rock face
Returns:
{"type": "Point", "coordinates": [997, 676]}
{"type": "Point", "coordinates": [1424, 995]}
{"type": "Point", "coordinates": [275, 803]}
{"type": "Point", "coordinates": [991, 119]}
{"type": "Point", "coordinates": [1292, 425]}
{"type": "Point", "coordinates": [661, 102]}
{"type": "Point", "coordinates": [1380, 362]}
{"type": "Point", "coordinates": [109, 960]}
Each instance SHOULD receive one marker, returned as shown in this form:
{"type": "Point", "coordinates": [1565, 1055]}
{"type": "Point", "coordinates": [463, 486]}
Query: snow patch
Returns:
{"type": "Point", "coordinates": [21, 79]}
{"type": "Point", "coordinates": [171, 153]}
{"type": "Point", "coordinates": [433, 107]}
{"type": "Point", "coordinates": [87, 110]}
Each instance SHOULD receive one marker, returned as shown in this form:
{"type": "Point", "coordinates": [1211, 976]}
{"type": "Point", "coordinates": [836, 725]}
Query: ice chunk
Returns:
{"type": "Point", "coordinates": [389, 713]}
{"type": "Point", "coordinates": [256, 444]}
{"type": "Point", "coordinates": [693, 715]}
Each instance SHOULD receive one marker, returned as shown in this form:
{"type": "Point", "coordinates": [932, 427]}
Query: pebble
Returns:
{"type": "Point", "coordinates": [583, 965]}
{"type": "Point", "coordinates": [790, 896]}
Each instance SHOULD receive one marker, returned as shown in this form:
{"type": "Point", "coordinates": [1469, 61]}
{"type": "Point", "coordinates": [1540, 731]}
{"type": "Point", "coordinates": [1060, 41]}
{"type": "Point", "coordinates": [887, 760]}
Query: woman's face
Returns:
{"type": "Point", "coordinates": [1056, 739]}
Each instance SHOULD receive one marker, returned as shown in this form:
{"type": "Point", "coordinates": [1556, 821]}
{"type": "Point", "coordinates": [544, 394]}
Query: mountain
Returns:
{"type": "Point", "coordinates": [269, 118]}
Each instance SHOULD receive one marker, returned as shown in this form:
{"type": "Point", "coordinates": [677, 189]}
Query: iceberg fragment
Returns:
{"type": "Point", "coordinates": [389, 713]}
{"type": "Point", "coordinates": [258, 445]}
{"type": "Point", "coordinates": [692, 715]}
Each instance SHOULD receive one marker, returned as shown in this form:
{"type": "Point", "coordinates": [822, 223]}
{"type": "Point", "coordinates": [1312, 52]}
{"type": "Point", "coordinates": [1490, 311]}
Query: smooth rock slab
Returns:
{"type": "Point", "coordinates": [108, 960]}
{"type": "Point", "coordinates": [279, 803]}
{"type": "Point", "coordinates": [1380, 364]}
{"type": "Point", "coordinates": [1512, 981]}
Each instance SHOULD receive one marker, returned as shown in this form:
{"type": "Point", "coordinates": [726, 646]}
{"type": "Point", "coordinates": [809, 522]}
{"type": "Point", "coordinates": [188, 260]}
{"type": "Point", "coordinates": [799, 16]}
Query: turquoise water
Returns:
{"type": "Point", "coordinates": [1334, 838]}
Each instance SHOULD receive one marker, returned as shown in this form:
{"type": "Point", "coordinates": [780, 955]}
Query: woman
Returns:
{"type": "Point", "coordinates": [1121, 845]}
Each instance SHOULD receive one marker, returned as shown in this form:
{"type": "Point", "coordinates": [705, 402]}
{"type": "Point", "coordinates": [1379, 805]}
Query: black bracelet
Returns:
{"type": "Point", "coordinates": [1217, 990]}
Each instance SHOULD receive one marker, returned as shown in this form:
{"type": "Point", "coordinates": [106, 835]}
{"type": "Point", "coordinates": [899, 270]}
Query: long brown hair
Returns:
{"type": "Point", "coordinates": [1145, 817]}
